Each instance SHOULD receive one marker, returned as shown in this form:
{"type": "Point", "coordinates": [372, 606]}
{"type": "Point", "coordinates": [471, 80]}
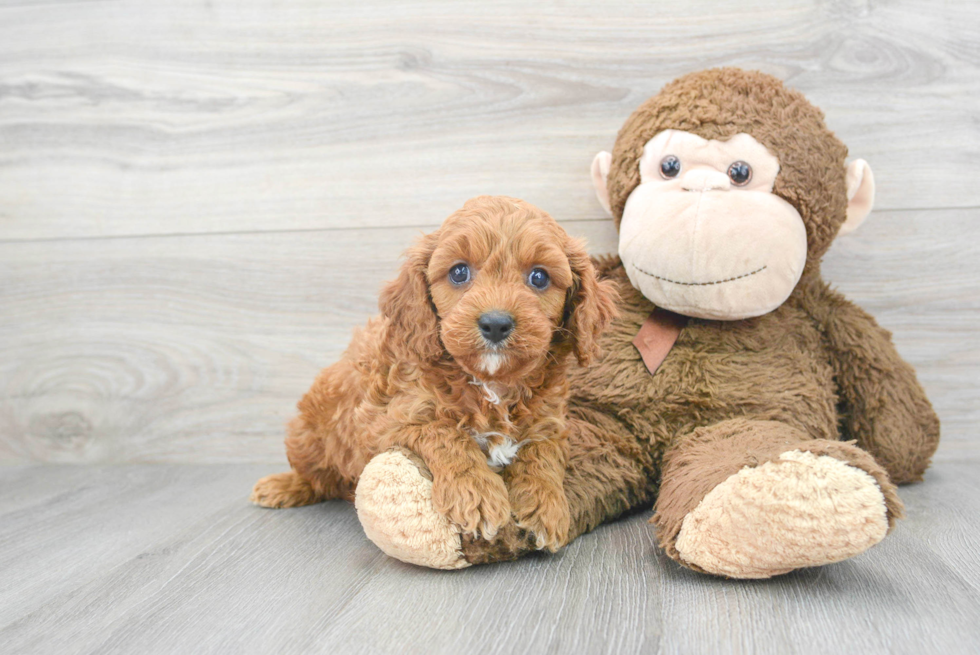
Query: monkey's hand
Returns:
{"type": "Point", "coordinates": [883, 405]}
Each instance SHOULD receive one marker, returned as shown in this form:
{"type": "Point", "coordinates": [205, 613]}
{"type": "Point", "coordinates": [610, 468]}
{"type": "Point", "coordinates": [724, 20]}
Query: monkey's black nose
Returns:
{"type": "Point", "coordinates": [496, 326]}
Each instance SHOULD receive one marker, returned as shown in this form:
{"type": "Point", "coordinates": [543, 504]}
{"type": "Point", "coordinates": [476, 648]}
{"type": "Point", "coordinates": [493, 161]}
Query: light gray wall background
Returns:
{"type": "Point", "coordinates": [200, 200]}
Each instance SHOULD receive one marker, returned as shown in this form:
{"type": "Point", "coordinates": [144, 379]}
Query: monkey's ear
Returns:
{"type": "Point", "coordinates": [860, 195]}
{"type": "Point", "coordinates": [600, 173]}
{"type": "Point", "coordinates": [405, 302]}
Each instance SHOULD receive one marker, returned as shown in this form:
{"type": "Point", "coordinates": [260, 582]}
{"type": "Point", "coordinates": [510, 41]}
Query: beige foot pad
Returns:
{"type": "Point", "coordinates": [798, 511]}
{"type": "Point", "coordinates": [394, 504]}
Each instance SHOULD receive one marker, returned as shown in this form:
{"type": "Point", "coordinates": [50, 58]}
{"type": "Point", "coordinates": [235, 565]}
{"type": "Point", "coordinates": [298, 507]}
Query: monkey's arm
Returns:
{"type": "Point", "coordinates": [882, 404]}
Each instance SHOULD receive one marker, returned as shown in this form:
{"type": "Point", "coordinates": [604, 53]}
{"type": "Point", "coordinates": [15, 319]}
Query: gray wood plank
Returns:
{"type": "Point", "coordinates": [151, 349]}
{"type": "Point", "coordinates": [196, 349]}
{"type": "Point", "coordinates": [163, 559]}
{"type": "Point", "coordinates": [77, 524]}
{"type": "Point", "coordinates": [117, 118]}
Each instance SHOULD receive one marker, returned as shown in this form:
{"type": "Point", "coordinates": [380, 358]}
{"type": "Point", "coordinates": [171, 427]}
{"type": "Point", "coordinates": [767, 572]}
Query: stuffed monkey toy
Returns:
{"type": "Point", "coordinates": [767, 418]}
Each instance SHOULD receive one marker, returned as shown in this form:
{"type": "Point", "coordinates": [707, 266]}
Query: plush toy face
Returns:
{"type": "Point", "coordinates": [727, 189]}
{"type": "Point", "coordinates": [703, 235]}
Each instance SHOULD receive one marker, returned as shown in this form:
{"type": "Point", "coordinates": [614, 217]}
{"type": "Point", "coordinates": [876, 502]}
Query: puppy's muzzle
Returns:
{"type": "Point", "coordinates": [496, 326]}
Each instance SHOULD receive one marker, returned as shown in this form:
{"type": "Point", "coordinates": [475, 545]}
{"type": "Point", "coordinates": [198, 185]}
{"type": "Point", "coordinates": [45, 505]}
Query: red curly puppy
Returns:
{"type": "Point", "coordinates": [467, 368]}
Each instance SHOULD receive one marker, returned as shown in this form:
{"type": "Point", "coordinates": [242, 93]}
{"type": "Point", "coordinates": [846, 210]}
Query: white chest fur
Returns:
{"type": "Point", "coordinates": [491, 391]}
{"type": "Point", "coordinates": [500, 448]}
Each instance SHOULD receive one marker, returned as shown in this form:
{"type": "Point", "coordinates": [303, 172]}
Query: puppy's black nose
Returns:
{"type": "Point", "coordinates": [496, 326]}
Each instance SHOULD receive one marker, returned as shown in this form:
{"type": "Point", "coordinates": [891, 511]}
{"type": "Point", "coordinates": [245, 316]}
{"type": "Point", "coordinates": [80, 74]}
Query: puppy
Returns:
{"type": "Point", "coordinates": [466, 367]}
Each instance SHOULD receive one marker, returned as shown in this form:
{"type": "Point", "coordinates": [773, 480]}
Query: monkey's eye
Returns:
{"type": "Point", "coordinates": [670, 166]}
{"type": "Point", "coordinates": [459, 274]}
{"type": "Point", "coordinates": [538, 278]}
{"type": "Point", "coordinates": [740, 173]}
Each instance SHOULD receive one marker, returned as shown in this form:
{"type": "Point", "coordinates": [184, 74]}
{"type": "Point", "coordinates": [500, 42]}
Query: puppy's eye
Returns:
{"type": "Point", "coordinates": [740, 173]}
{"type": "Point", "coordinates": [670, 166]}
{"type": "Point", "coordinates": [459, 274]}
{"type": "Point", "coordinates": [538, 278]}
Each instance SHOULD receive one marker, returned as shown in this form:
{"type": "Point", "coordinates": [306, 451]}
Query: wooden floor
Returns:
{"type": "Point", "coordinates": [199, 200]}
{"type": "Point", "coordinates": [171, 559]}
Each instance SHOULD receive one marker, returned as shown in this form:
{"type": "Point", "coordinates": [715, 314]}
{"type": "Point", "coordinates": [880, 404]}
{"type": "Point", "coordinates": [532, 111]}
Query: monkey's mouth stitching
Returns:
{"type": "Point", "coordinates": [699, 284]}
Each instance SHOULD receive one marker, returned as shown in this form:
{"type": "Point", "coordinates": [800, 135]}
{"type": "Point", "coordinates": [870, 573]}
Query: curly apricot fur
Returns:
{"type": "Point", "coordinates": [417, 376]}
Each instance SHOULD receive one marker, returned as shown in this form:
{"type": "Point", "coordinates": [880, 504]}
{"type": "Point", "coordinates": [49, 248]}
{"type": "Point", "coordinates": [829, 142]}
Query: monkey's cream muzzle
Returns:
{"type": "Point", "coordinates": [715, 254]}
{"type": "Point", "coordinates": [700, 244]}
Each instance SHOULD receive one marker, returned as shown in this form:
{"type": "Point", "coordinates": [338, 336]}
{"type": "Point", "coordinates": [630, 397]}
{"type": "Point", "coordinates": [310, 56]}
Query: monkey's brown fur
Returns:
{"type": "Point", "coordinates": [408, 378]}
{"type": "Point", "coordinates": [816, 375]}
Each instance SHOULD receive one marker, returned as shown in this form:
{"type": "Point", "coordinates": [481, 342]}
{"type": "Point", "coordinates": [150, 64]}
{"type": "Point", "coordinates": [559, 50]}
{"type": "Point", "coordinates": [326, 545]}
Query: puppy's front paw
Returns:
{"type": "Point", "coordinates": [475, 500]}
{"type": "Point", "coordinates": [541, 509]}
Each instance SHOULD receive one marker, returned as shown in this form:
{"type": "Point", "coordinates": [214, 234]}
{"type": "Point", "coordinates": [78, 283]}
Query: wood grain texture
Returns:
{"type": "Point", "coordinates": [179, 348]}
{"type": "Point", "coordinates": [171, 559]}
{"type": "Point", "coordinates": [199, 201]}
{"type": "Point", "coordinates": [119, 118]}
{"type": "Point", "coordinates": [196, 348]}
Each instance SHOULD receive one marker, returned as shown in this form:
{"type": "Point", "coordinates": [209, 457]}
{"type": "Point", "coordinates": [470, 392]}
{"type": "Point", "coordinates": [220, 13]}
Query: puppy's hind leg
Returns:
{"type": "Point", "coordinates": [282, 490]}
{"type": "Point", "coordinates": [315, 476]}
{"type": "Point", "coordinates": [290, 489]}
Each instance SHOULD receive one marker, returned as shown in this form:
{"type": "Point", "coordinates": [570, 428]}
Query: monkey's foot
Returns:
{"type": "Point", "coordinates": [394, 504]}
{"type": "Point", "coordinates": [754, 499]}
{"type": "Point", "coordinates": [798, 511]}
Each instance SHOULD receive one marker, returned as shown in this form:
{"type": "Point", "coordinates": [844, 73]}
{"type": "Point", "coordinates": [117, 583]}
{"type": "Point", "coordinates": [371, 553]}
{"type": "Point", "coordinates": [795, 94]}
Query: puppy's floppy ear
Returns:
{"type": "Point", "coordinates": [406, 303]}
{"type": "Point", "coordinates": [590, 305]}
